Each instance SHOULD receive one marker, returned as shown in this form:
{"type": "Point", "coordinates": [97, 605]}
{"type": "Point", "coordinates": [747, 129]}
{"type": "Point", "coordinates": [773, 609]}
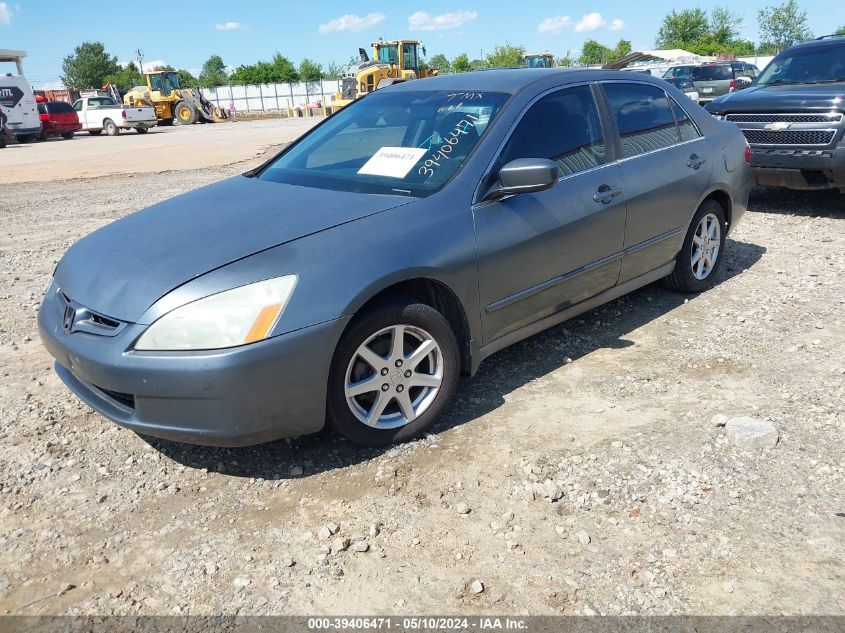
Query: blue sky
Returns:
{"type": "Point", "coordinates": [243, 31]}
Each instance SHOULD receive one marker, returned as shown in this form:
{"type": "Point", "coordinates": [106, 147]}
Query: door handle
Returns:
{"type": "Point", "coordinates": [606, 193]}
{"type": "Point", "coordinates": [695, 161]}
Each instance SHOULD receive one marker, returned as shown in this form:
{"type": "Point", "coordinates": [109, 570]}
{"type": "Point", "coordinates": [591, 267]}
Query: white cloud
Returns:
{"type": "Point", "coordinates": [352, 22]}
{"type": "Point", "coordinates": [5, 14]}
{"type": "Point", "coordinates": [230, 26]}
{"type": "Point", "coordinates": [422, 21]}
{"type": "Point", "coordinates": [555, 25]}
{"type": "Point", "coordinates": [590, 22]}
{"type": "Point", "coordinates": [153, 64]}
{"type": "Point", "coordinates": [616, 25]}
{"type": "Point", "coordinates": [49, 85]}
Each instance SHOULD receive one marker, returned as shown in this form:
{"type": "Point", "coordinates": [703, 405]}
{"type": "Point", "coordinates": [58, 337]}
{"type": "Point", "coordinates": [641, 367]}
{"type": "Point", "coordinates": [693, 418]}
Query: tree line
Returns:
{"type": "Point", "coordinates": [693, 30]}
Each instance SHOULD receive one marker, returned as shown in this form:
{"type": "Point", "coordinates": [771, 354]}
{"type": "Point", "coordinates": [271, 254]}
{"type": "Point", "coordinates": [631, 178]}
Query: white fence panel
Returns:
{"type": "Point", "coordinates": [270, 97]}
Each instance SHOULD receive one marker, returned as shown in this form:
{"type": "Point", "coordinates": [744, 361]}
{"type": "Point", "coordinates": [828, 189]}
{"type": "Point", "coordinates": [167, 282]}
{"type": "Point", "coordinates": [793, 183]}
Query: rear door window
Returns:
{"type": "Point", "coordinates": [687, 130]}
{"type": "Point", "coordinates": [563, 126]}
{"type": "Point", "coordinates": [643, 117]}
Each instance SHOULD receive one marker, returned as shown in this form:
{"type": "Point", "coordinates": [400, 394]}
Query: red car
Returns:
{"type": "Point", "coordinates": [58, 117]}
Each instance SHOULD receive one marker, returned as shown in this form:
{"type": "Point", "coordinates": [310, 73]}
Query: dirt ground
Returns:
{"type": "Point", "coordinates": [160, 149]}
{"type": "Point", "coordinates": [585, 470]}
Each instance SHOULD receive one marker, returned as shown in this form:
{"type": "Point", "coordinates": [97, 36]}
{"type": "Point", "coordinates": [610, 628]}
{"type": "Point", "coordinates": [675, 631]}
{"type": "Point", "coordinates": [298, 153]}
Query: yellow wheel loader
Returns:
{"type": "Point", "coordinates": [172, 102]}
{"type": "Point", "coordinates": [393, 61]}
{"type": "Point", "coordinates": [539, 60]}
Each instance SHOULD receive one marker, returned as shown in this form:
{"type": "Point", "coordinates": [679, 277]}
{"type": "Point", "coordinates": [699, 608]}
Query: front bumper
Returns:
{"type": "Point", "coordinates": [233, 397]}
{"type": "Point", "coordinates": [796, 168]}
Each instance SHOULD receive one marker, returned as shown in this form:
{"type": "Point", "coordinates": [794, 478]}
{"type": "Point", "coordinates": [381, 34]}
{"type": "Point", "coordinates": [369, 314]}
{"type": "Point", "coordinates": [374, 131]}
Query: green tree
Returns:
{"type": "Point", "coordinates": [213, 72]}
{"type": "Point", "coordinates": [335, 70]}
{"type": "Point", "coordinates": [127, 77]}
{"type": "Point", "coordinates": [461, 64]}
{"type": "Point", "coordinates": [506, 56]}
{"type": "Point", "coordinates": [283, 70]}
{"type": "Point", "coordinates": [566, 61]}
{"type": "Point", "coordinates": [724, 25]}
{"type": "Point", "coordinates": [440, 62]}
{"type": "Point", "coordinates": [783, 25]}
{"type": "Point", "coordinates": [689, 25]}
{"type": "Point", "coordinates": [310, 70]}
{"type": "Point", "coordinates": [478, 64]}
{"type": "Point", "coordinates": [88, 66]}
{"type": "Point", "coordinates": [840, 31]}
{"type": "Point", "coordinates": [623, 47]}
{"type": "Point", "coordinates": [593, 53]}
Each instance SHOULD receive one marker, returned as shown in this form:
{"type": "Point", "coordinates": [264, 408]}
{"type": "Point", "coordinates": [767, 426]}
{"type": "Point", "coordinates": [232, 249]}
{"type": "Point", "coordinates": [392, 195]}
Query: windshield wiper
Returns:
{"type": "Point", "coordinates": [827, 81]}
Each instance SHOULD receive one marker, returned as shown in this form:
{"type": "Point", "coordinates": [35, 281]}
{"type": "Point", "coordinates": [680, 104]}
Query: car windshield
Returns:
{"type": "Point", "coordinates": [805, 65]}
{"type": "Point", "coordinates": [405, 143]}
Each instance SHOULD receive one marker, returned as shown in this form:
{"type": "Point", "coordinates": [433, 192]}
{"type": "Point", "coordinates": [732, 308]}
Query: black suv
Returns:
{"type": "Point", "coordinates": [794, 116]}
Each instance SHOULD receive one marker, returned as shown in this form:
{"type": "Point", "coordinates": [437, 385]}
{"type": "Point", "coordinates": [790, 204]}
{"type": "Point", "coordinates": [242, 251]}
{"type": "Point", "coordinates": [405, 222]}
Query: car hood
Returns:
{"type": "Point", "coordinates": [781, 98]}
{"type": "Point", "coordinates": [121, 269]}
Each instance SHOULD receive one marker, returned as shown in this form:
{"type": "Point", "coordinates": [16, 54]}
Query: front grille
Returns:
{"type": "Point", "coordinates": [126, 399]}
{"type": "Point", "coordinates": [789, 137]}
{"type": "Point", "coordinates": [833, 117]}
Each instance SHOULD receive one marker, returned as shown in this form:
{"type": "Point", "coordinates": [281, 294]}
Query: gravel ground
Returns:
{"type": "Point", "coordinates": [595, 468]}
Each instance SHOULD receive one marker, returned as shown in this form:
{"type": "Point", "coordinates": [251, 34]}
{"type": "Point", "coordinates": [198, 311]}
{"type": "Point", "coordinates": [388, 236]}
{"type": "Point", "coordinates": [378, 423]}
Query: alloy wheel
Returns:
{"type": "Point", "coordinates": [706, 244]}
{"type": "Point", "coordinates": [394, 376]}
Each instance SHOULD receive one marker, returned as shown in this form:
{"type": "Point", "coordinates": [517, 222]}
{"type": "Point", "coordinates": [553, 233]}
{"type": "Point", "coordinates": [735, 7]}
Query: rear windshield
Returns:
{"type": "Point", "coordinates": [806, 65]}
{"type": "Point", "coordinates": [59, 107]}
{"type": "Point", "coordinates": [406, 143]}
{"type": "Point", "coordinates": [711, 73]}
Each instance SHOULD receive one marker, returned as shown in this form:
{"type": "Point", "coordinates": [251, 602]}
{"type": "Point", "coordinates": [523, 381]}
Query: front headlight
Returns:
{"type": "Point", "coordinates": [227, 319]}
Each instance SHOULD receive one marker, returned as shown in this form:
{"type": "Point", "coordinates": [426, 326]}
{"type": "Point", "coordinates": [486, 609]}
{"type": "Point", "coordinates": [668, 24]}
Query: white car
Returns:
{"type": "Point", "coordinates": [104, 113]}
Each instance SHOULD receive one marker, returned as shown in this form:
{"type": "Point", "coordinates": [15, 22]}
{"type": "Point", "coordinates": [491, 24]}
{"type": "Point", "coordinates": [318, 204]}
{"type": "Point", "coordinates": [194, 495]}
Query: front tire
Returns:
{"type": "Point", "coordinates": [67, 135]}
{"type": "Point", "coordinates": [186, 113]}
{"type": "Point", "coordinates": [701, 255]}
{"type": "Point", "coordinates": [393, 373]}
{"type": "Point", "coordinates": [110, 127]}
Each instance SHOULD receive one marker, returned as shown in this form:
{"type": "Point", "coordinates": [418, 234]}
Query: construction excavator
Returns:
{"type": "Point", "coordinates": [393, 61]}
{"type": "Point", "coordinates": [172, 102]}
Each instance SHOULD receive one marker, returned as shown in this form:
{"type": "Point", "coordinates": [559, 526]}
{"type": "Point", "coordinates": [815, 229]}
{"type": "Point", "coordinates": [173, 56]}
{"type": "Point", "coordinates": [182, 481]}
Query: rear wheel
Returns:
{"type": "Point", "coordinates": [110, 127]}
{"type": "Point", "coordinates": [67, 135]}
{"type": "Point", "coordinates": [393, 373]}
{"type": "Point", "coordinates": [165, 122]}
{"type": "Point", "coordinates": [186, 113]}
{"type": "Point", "coordinates": [701, 254]}
{"type": "Point", "coordinates": [2, 139]}
{"type": "Point", "coordinates": [141, 130]}
{"type": "Point", "coordinates": [95, 132]}
{"type": "Point", "coordinates": [25, 138]}
{"type": "Point", "coordinates": [43, 135]}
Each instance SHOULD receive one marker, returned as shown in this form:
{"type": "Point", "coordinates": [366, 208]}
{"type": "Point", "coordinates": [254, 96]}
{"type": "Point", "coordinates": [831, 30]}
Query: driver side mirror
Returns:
{"type": "Point", "coordinates": [524, 175]}
{"type": "Point", "coordinates": [740, 83]}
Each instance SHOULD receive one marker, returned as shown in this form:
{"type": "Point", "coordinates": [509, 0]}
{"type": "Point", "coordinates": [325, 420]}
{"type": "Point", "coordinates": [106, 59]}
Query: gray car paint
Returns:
{"type": "Point", "coordinates": [348, 247]}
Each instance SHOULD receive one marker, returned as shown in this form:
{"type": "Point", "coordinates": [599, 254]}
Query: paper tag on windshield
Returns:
{"type": "Point", "coordinates": [393, 162]}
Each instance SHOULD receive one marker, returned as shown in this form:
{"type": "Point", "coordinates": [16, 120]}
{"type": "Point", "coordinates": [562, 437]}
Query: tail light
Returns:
{"type": "Point", "coordinates": [747, 153]}
{"type": "Point", "coordinates": [732, 86]}
{"type": "Point", "coordinates": [44, 117]}
{"type": "Point", "coordinates": [123, 114]}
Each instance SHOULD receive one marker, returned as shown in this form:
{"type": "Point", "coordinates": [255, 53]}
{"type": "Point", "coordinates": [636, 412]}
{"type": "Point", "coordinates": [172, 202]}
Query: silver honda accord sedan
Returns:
{"type": "Point", "coordinates": [354, 277]}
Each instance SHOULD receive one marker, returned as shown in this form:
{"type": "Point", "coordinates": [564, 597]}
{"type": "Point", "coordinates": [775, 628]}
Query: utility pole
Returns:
{"type": "Point", "coordinates": [139, 55]}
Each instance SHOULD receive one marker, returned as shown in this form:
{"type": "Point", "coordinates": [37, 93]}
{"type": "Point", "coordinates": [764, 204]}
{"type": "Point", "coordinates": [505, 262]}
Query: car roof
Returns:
{"type": "Point", "coordinates": [512, 79]}
{"type": "Point", "coordinates": [828, 40]}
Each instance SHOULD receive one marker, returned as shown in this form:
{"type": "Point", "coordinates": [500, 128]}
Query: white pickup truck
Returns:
{"type": "Point", "coordinates": [103, 113]}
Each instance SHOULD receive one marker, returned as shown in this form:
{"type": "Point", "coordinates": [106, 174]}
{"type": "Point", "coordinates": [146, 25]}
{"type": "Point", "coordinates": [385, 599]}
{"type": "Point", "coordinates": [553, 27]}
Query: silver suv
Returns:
{"type": "Point", "coordinates": [714, 79]}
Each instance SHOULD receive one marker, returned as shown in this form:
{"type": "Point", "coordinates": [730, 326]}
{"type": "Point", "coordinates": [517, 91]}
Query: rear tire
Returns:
{"type": "Point", "coordinates": [67, 135]}
{"type": "Point", "coordinates": [414, 391]}
{"type": "Point", "coordinates": [185, 113]}
{"type": "Point", "coordinates": [2, 140]}
{"type": "Point", "coordinates": [110, 127]}
{"type": "Point", "coordinates": [43, 135]}
{"type": "Point", "coordinates": [701, 255]}
{"type": "Point", "coordinates": [165, 122]}
{"type": "Point", "coordinates": [95, 132]}
{"type": "Point", "coordinates": [141, 130]}
{"type": "Point", "coordinates": [25, 138]}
